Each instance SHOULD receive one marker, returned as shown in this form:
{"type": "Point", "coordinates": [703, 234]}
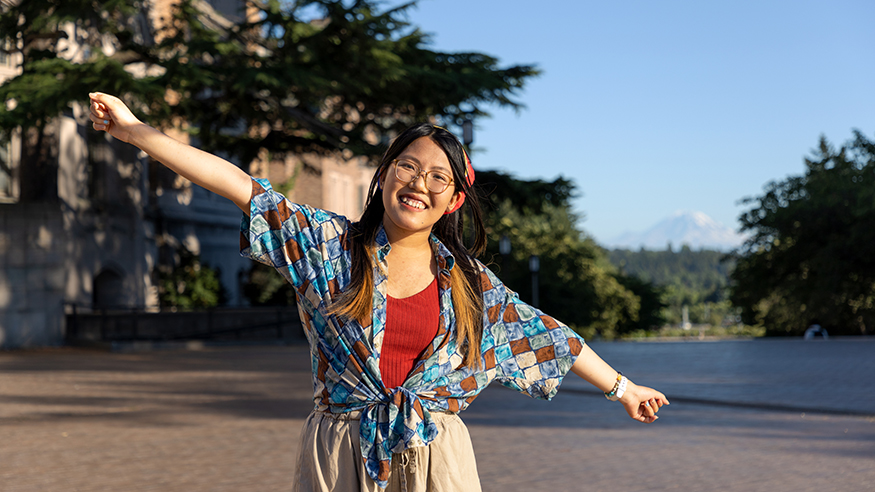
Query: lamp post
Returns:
{"type": "Point", "coordinates": [504, 249]}
{"type": "Point", "coordinates": [468, 131]}
{"type": "Point", "coordinates": [504, 245]}
{"type": "Point", "coordinates": [534, 266]}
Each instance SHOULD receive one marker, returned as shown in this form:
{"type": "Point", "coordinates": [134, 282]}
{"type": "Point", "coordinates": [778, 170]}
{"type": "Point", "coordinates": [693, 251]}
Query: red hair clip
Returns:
{"type": "Point", "coordinates": [469, 177]}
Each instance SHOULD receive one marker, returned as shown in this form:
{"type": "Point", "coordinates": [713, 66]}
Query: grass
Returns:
{"type": "Point", "coordinates": [700, 331]}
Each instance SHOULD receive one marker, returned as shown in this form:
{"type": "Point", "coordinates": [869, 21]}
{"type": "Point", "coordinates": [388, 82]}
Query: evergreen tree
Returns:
{"type": "Point", "coordinates": [577, 283]}
{"type": "Point", "coordinates": [61, 44]}
{"type": "Point", "coordinates": [321, 76]}
{"type": "Point", "coordinates": [809, 258]}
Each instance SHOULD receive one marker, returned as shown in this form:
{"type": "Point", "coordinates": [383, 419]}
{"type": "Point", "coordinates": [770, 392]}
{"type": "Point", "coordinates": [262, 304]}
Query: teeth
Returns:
{"type": "Point", "coordinates": [412, 203]}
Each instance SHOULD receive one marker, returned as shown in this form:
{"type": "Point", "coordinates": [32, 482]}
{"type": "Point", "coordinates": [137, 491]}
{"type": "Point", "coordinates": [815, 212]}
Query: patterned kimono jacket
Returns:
{"type": "Point", "coordinates": [521, 348]}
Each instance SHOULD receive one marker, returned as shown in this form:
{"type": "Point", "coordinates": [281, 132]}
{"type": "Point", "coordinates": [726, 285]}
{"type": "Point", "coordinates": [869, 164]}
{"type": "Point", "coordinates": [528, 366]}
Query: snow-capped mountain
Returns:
{"type": "Point", "coordinates": [694, 229]}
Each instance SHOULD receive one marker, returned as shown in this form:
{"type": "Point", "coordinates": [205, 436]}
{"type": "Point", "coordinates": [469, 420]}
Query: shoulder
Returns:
{"type": "Point", "coordinates": [493, 291]}
{"type": "Point", "coordinates": [488, 278]}
{"type": "Point", "coordinates": [279, 210]}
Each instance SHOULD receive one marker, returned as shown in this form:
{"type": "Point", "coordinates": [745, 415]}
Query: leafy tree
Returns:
{"type": "Point", "coordinates": [651, 308]}
{"type": "Point", "coordinates": [697, 279]}
{"type": "Point", "coordinates": [290, 77]}
{"type": "Point", "coordinates": [531, 196]}
{"type": "Point", "coordinates": [577, 282]}
{"type": "Point", "coordinates": [265, 288]}
{"type": "Point", "coordinates": [51, 79]}
{"type": "Point", "coordinates": [809, 258]}
{"type": "Point", "coordinates": [188, 284]}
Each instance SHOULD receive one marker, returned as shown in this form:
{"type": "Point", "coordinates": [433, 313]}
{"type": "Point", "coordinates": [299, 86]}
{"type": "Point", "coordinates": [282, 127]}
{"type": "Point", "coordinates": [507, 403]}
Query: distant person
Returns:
{"type": "Point", "coordinates": [405, 326]}
{"type": "Point", "coordinates": [815, 330]}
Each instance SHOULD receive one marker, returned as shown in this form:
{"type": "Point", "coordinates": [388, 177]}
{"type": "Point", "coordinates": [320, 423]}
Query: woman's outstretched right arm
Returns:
{"type": "Point", "coordinates": [109, 114]}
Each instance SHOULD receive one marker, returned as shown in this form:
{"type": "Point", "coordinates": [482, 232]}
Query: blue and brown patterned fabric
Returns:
{"type": "Point", "coordinates": [522, 348]}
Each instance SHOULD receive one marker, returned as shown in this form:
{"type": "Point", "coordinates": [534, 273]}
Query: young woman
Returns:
{"type": "Point", "coordinates": [405, 326]}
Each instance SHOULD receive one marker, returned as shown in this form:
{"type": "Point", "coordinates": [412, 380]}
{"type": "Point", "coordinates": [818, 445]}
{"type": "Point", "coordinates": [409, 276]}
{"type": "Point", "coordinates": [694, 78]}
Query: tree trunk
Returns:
{"type": "Point", "coordinates": [39, 164]}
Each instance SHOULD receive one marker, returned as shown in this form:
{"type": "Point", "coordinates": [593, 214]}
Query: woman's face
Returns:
{"type": "Point", "coordinates": [411, 207]}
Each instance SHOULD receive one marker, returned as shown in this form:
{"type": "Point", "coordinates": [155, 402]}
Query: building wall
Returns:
{"type": "Point", "coordinates": [32, 275]}
{"type": "Point", "coordinates": [102, 187]}
{"type": "Point", "coordinates": [345, 186]}
{"type": "Point", "coordinates": [96, 243]}
{"type": "Point", "coordinates": [53, 250]}
{"type": "Point", "coordinates": [326, 182]}
{"type": "Point", "coordinates": [208, 225]}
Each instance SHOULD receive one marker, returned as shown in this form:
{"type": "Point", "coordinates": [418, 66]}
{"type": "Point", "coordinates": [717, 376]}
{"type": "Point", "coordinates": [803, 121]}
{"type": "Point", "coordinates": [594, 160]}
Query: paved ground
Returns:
{"type": "Point", "coordinates": [835, 376]}
{"type": "Point", "coordinates": [227, 419]}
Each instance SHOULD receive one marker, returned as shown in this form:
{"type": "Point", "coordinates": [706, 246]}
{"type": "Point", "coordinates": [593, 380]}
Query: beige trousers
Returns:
{"type": "Point", "coordinates": [331, 459]}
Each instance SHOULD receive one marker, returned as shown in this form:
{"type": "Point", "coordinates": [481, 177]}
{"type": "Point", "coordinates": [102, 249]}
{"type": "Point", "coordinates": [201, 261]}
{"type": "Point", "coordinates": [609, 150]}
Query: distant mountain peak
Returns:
{"type": "Point", "coordinates": [693, 228]}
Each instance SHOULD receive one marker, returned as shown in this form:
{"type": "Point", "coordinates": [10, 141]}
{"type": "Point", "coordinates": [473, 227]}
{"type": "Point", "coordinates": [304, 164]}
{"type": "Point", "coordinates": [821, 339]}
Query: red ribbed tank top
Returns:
{"type": "Point", "coordinates": [411, 325]}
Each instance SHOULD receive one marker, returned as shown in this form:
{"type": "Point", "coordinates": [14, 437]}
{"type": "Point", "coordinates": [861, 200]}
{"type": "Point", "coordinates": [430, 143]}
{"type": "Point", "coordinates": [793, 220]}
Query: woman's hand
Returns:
{"type": "Point", "coordinates": [109, 114]}
{"type": "Point", "coordinates": [642, 403]}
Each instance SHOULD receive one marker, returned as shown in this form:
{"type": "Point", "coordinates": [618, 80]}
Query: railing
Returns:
{"type": "Point", "coordinates": [132, 324]}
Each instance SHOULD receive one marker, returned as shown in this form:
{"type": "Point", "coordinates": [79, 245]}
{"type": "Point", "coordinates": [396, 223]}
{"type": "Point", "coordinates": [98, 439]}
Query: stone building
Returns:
{"type": "Point", "coordinates": [89, 229]}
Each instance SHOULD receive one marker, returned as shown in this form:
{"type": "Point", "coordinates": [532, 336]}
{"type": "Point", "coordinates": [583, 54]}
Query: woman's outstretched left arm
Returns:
{"type": "Point", "coordinates": [109, 114]}
{"type": "Point", "coordinates": [640, 402]}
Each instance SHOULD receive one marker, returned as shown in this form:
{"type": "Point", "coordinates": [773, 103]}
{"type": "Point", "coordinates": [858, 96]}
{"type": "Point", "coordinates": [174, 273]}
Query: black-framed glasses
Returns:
{"type": "Point", "coordinates": [407, 171]}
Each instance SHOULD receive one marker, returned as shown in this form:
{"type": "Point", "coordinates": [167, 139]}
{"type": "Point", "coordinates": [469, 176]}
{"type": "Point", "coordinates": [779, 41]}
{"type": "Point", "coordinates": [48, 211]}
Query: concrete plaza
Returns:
{"type": "Point", "coordinates": [228, 419]}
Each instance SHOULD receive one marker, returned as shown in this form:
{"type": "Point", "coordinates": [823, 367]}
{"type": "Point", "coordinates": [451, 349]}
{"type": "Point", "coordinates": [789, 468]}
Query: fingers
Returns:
{"type": "Point", "coordinates": [99, 123]}
{"type": "Point", "coordinates": [100, 98]}
{"type": "Point", "coordinates": [656, 403]}
{"type": "Point", "coordinates": [647, 419]}
{"type": "Point", "coordinates": [110, 114]}
{"type": "Point", "coordinates": [649, 404]}
{"type": "Point", "coordinates": [649, 408]}
{"type": "Point", "coordinates": [99, 114]}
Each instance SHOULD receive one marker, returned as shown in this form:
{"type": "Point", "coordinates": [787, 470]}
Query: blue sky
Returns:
{"type": "Point", "coordinates": [653, 107]}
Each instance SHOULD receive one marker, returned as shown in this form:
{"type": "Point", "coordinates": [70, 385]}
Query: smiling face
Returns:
{"type": "Point", "coordinates": [410, 208]}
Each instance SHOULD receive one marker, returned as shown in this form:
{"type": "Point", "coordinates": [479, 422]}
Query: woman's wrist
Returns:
{"type": "Point", "coordinates": [138, 135]}
{"type": "Point", "coordinates": [619, 387]}
{"type": "Point", "coordinates": [631, 394]}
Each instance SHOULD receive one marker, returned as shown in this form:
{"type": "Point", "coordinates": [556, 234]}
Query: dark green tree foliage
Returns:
{"type": "Point", "coordinates": [531, 196]}
{"type": "Point", "coordinates": [188, 283]}
{"type": "Point", "coordinates": [305, 76]}
{"type": "Point", "coordinates": [265, 288]}
{"type": "Point", "coordinates": [685, 278]}
{"type": "Point", "coordinates": [577, 284]}
{"type": "Point", "coordinates": [651, 303]}
{"type": "Point", "coordinates": [50, 80]}
{"type": "Point", "coordinates": [693, 276]}
{"type": "Point", "coordinates": [809, 258]}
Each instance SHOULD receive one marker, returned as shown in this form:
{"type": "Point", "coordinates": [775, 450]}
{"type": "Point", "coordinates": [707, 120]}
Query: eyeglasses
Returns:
{"type": "Point", "coordinates": [407, 172]}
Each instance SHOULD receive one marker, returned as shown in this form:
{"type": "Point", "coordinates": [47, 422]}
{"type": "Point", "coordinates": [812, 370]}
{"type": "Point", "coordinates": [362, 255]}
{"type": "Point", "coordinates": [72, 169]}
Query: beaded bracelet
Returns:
{"type": "Point", "coordinates": [619, 388]}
